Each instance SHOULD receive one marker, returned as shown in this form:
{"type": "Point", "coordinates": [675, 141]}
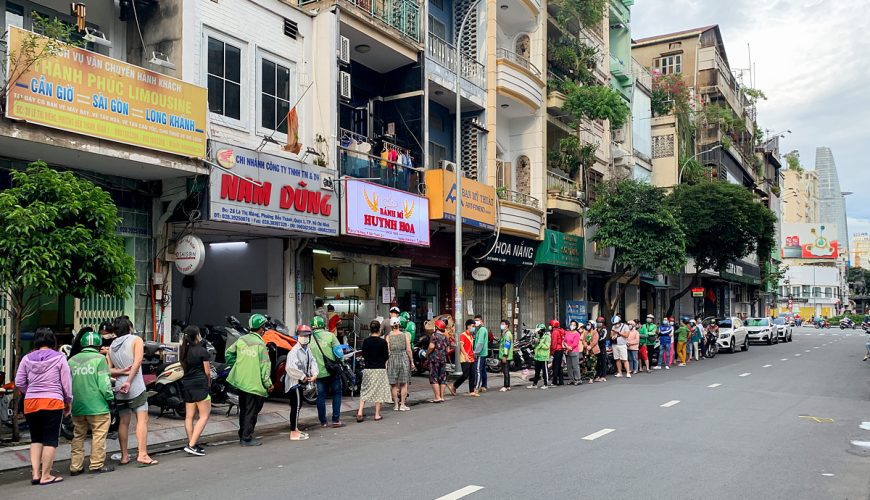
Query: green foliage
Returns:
{"type": "Point", "coordinates": [772, 275]}
{"type": "Point", "coordinates": [793, 160]}
{"type": "Point", "coordinates": [754, 95]}
{"type": "Point", "coordinates": [670, 94]}
{"type": "Point", "coordinates": [55, 36]}
{"type": "Point", "coordinates": [585, 13]}
{"type": "Point", "coordinates": [572, 60]}
{"type": "Point", "coordinates": [57, 236]}
{"type": "Point", "coordinates": [693, 171]}
{"type": "Point", "coordinates": [723, 117]}
{"type": "Point", "coordinates": [596, 103]}
{"type": "Point", "coordinates": [722, 223]}
{"type": "Point", "coordinates": [573, 154]}
{"type": "Point", "coordinates": [633, 220]}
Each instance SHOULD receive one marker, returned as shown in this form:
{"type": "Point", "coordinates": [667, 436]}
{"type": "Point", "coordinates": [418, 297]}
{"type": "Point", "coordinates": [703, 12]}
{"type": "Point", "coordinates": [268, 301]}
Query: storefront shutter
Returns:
{"type": "Point", "coordinates": [487, 301]}
{"type": "Point", "coordinates": [92, 311]}
{"type": "Point", "coordinates": [533, 300]}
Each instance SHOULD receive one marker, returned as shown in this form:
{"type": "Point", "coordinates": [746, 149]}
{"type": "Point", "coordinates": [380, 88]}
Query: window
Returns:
{"type": "Point", "coordinates": [14, 15]}
{"type": "Point", "coordinates": [674, 45]}
{"type": "Point", "coordinates": [277, 93]}
{"type": "Point", "coordinates": [594, 179]}
{"type": "Point", "coordinates": [817, 291]}
{"type": "Point", "coordinates": [805, 291]}
{"type": "Point", "coordinates": [796, 291]}
{"type": "Point", "coordinates": [829, 292]}
{"type": "Point", "coordinates": [224, 68]}
{"type": "Point", "coordinates": [669, 65]}
{"type": "Point", "coordinates": [438, 4]}
{"type": "Point", "coordinates": [437, 152]}
{"type": "Point", "coordinates": [523, 46]}
{"type": "Point", "coordinates": [437, 28]}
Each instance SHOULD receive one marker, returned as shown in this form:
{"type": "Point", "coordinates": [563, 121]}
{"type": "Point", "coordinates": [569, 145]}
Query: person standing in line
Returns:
{"type": "Point", "coordinates": [682, 338]}
{"type": "Point", "coordinates": [647, 333]}
{"type": "Point", "coordinates": [325, 347]}
{"type": "Point", "coordinates": [320, 310]}
{"type": "Point", "coordinates": [619, 344]}
{"type": "Point", "coordinates": [408, 326]}
{"type": "Point", "coordinates": [436, 354]}
{"type": "Point", "coordinates": [125, 363]}
{"type": "Point", "coordinates": [506, 353]}
{"type": "Point", "coordinates": [601, 365]}
{"type": "Point", "coordinates": [591, 351]}
{"type": "Point", "coordinates": [195, 361]}
{"type": "Point", "coordinates": [333, 319]}
{"type": "Point", "coordinates": [43, 377]}
{"type": "Point", "coordinates": [385, 325]}
{"type": "Point", "coordinates": [557, 351]}
{"type": "Point", "coordinates": [542, 356]}
{"type": "Point", "coordinates": [250, 374]}
{"type": "Point", "coordinates": [572, 350]}
{"type": "Point", "coordinates": [466, 361]}
{"type": "Point", "coordinates": [481, 352]}
{"type": "Point", "coordinates": [375, 384]}
{"type": "Point", "coordinates": [666, 335]}
{"type": "Point", "coordinates": [91, 392]}
{"type": "Point", "coordinates": [301, 369]}
{"type": "Point", "coordinates": [400, 364]}
{"type": "Point", "coordinates": [673, 325]}
{"type": "Point", "coordinates": [633, 342]}
{"type": "Point", "coordinates": [695, 339]}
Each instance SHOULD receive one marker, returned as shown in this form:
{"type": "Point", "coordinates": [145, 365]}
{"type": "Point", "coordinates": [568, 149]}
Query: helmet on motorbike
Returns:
{"type": "Point", "coordinates": [554, 323]}
{"type": "Point", "coordinates": [403, 322]}
{"type": "Point", "coordinates": [405, 315]}
{"type": "Point", "coordinates": [318, 322]}
{"type": "Point", "coordinates": [616, 319]}
{"type": "Point", "coordinates": [91, 339]}
{"type": "Point", "coordinates": [540, 327]}
{"type": "Point", "coordinates": [303, 330]}
{"type": "Point", "coordinates": [256, 321]}
{"type": "Point", "coordinates": [440, 325]}
{"type": "Point", "coordinates": [600, 319]}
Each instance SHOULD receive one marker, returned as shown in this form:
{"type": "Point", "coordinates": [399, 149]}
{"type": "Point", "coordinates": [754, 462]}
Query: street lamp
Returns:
{"type": "Point", "coordinates": [457, 155]}
{"type": "Point", "coordinates": [680, 177]}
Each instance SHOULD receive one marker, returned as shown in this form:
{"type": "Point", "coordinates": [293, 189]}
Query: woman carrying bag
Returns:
{"type": "Point", "coordinates": [301, 368]}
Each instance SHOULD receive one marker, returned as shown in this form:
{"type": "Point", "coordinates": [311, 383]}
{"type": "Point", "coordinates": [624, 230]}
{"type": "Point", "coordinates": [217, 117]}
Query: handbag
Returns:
{"type": "Point", "coordinates": [334, 367]}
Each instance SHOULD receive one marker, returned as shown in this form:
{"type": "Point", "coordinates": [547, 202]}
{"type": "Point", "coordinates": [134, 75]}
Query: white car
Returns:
{"type": "Point", "coordinates": [732, 334]}
{"type": "Point", "coordinates": [783, 329]}
{"type": "Point", "coordinates": [762, 330]}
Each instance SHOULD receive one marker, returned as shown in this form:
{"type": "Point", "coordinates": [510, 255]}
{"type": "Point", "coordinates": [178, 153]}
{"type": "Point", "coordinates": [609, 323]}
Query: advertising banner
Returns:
{"type": "Point", "coordinates": [271, 191]}
{"type": "Point", "coordinates": [478, 199]}
{"type": "Point", "coordinates": [560, 249]}
{"type": "Point", "coordinates": [90, 94]}
{"type": "Point", "coordinates": [511, 250]}
{"type": "Point", "coordinates": [576, 310]}
{"type": "Point", "coordinates": [382, 213]}
{"type": "Point", "coordinates": [809, 241]}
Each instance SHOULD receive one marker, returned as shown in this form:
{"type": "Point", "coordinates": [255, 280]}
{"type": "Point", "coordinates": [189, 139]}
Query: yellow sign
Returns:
{"type": "Point", "coordinates": [90, 94]}
{"type": "Point", "coordinates": [478, 199]}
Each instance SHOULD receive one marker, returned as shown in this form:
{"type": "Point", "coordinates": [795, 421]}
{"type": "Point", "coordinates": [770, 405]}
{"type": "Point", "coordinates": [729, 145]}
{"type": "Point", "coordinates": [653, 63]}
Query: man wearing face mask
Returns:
{"type": "Point", "coordinates": [648, 333]}
{"type": "Point", "coordinates": [506, 353]}
{"type": "Point", "coordinates": [481, 350]}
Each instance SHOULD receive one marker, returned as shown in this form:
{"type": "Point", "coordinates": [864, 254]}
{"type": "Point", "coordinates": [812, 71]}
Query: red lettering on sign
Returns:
{"type": "Point", "coordinates": [237, 189]}
{"type": "Point", "coordinates": [305, 201]}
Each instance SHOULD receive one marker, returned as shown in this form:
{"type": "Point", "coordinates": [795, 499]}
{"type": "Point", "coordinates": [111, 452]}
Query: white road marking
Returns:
{"type": "Point", "coordinates": [807, 350]}
{"type": "Point", "coordinates": [596, 435]}
{"type": "Point", "coordinates": [865, 426]}
{"type": "Point", "coordinates": [797, 354]}
{"type": "Point", "coordinates": [669, 403]}
{"type": "Point", "coordinates": [767, 366]}
{"type": "Point", "coordinates": [816, 347]}
{"type": "Point", "coordinates": [462, 492]}
{"type": "Point", "coordinates": [784, 359]}
{"type": "Point", "coordinates": [745, 374]}
{"type": "Point", "coordinates": [713, 386]}
{"type": "Point", "coordinates": [827, 474]}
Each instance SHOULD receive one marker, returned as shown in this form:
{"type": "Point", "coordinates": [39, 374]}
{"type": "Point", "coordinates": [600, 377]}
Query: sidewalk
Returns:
{"type": "Point", "coordinates": [167, 433]}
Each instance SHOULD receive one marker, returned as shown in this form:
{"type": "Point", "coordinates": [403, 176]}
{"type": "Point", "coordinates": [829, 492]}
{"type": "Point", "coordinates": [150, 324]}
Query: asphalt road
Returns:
{"type": "Point", "coordinates": [773, 422]}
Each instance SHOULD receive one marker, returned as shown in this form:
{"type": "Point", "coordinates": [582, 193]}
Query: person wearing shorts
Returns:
{"type": "Point", "coordinates": [437, 356]}
{"type": "Point", "coordinates": [196, 363]}
{"type": "Point", "coordinates": [619, 336]}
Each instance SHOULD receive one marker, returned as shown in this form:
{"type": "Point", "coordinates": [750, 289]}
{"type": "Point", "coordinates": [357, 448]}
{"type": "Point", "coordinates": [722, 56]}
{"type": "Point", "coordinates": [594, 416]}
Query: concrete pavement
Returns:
{"type": "Point", "coordinates": [774, 422]}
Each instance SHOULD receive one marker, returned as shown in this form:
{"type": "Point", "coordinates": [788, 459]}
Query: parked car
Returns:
{"type": "Point", "coordinates": [789, 319]}
{"type": "Point", "coordinates": [783, 329]}
{"type": "Point", "coordinates": [732, 334]}
{"type": "Point", "coordinates": [762, 330]}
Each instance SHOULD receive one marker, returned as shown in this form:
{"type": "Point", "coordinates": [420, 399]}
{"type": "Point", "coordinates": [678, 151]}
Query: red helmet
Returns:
{"type": "Point", "coordinates": [554, 323]}
{"type": "Point", "coordinates": [440, 325]}
{"type": "Point", "coordinates": [600, 319]}
{"type": "Point", "coordinates": [303, 330]}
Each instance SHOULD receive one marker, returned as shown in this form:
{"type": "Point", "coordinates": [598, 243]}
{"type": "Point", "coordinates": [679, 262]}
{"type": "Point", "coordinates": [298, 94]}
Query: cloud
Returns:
{"type": "Point", "coordinates": [811, 58]}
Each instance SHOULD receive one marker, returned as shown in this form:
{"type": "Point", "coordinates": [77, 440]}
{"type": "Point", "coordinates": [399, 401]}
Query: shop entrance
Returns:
{"type": "Point", "coordinates": [418, 294]}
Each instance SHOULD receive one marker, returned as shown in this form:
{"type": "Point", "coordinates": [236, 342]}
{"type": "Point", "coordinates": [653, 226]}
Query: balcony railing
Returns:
{"type": "Point", "coordinates": [402, 15]}
{"type": "Point", "coordinates": [518, 60]}
{"type": "Point", "coordinates": [377, 170]}
{"type": "Point", "coordinates": [445, 54]}
{"type": "Point", "coordinates": [562, 184]}
{"type": "Point", "coordinates": [520, 198]}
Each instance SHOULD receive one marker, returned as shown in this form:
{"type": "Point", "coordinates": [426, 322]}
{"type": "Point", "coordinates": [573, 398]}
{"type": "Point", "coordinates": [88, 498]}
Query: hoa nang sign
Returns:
{"type": "Point", "coordinates": [511, 250]}
{"type": "Point", "coordinates": [382, 213]}
{"type": "Point", "coordinates": [271, 191]}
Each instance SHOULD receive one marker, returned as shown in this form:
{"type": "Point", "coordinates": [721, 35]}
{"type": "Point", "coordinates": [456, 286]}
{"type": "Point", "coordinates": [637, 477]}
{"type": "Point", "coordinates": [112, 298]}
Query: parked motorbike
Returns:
{"type": "Point", "coordinates": [865, 326]}
{"type": "Point", "coordinates": [847, 323]}
{"type": "Point", "coordinates": [419, 354]}
{"type": "Point", "coordinates": [279, 342]}
{"type": "Point", "coordinates": [165, 391]}
{"type": "Point", "coordinates": [524, 351]}
{"type": "Point", "coordinates": [222, 337]}
{"type": "Point", "coordinates": [493, 362]}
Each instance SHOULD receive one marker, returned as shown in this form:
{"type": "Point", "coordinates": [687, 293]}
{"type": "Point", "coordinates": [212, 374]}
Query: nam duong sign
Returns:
{"type": "Point", "coordinates": [90, 94]}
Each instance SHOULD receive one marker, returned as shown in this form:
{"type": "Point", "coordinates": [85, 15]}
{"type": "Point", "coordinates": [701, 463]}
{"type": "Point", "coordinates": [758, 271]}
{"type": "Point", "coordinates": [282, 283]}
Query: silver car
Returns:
{"type": "Point", "coordinates": [783, 329]}
{"type": "Point", "coordinates": [762, 330]}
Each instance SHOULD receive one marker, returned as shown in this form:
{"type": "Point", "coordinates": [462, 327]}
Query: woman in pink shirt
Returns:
{"type": "Point", "coordinates": [633, 346]}
{"type": "Point", "coordinates": [572, 345]}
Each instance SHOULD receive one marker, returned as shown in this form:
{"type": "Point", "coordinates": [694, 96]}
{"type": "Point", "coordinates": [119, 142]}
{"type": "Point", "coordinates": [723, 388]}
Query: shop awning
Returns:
{"type": "Point", "coordinates": [376, 260]}
{"type": "Point", "coordinates": [654, 282]}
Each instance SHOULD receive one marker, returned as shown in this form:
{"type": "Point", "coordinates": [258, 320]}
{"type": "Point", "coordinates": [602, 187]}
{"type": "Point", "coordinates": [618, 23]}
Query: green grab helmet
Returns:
{"type": "Point", "coordinates": [540, 327]}
{"type": "Point", "coordinates": [318, 322]}
{"type": "Point", "coordinates": [256, 322]}
{"type": "Point", "coordinates": [405, 315]}
{"type": "Point", "coordinates": [91, 339]}
{"type": "Point", "coordinates": [403, 322]}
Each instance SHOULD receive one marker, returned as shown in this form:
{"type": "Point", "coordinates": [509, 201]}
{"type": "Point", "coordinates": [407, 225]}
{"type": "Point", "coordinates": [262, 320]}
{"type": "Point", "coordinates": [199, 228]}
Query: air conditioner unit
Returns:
{"type": "Point", "coordinates": [618, 135]}
{"type": "Point", "coordinates": [447, 165]}
{"type": "Point", "coordinates": [580, 195]}
{"type": "Point", "coordinates": [621, 161]}
{"type": "Point", "coordinates": [344, 84]}
{"type": "Point", "coordinates": [344, 50]}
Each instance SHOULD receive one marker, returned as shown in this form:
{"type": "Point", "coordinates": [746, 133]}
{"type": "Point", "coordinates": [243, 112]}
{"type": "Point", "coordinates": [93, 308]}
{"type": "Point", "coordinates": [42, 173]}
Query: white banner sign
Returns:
{"type": "Point", "coordinates": [382, 213]}
{"type": "Point", "coordinates": [271, 191]}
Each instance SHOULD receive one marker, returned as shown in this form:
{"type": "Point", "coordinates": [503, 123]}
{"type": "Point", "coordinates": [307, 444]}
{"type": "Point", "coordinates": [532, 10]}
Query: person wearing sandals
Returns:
{"type": "Point", "coordinates": [301, 369]}
{"type": "Point", "coordinates": [44, 379]}
{"type": "Point", "coordinates": [399, 365]}
{"type": "Point", "coordinates": [436, 354]}
{"type": "Point", "coordinates": [196, 363]}
{"type": "Point", "coordinates": [591, 351]}
{"type": "Point", "coordinates": [375, 385]}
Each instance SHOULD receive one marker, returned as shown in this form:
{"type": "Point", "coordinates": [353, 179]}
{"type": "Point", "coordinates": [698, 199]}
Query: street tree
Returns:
{"type": "Point", "coordinates": [633, 219]}
{"type": "Point", "coordinates": [57, 236]}
{"type": "Point", "coordinates": [722, 223]}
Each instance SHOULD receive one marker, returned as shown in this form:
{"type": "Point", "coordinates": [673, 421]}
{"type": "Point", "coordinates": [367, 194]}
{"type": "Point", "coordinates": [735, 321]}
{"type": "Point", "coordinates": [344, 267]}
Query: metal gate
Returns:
{"type": "Point", "coordinates": [94, 310]}
{"type": "Point", "coordinates": [533, 300]}
{"type": "Point", "coordinates": [488, 302]}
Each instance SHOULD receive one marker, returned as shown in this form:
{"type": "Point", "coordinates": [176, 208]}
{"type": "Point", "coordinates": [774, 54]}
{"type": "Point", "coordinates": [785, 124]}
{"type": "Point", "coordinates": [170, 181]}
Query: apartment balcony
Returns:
{"type": "Point", "coordinates": [620, 70]}
{"type": "Point", "coordinates": [563, 195]}
{"type": "Point", "coordinates": [441, 70]}
{"type": "Point", "coordinates": [379, 171]}
{"type": "Point", "coordinates": [403, 17]}
{"type": "Point", "coordinates": [715, 79]}
{"type": "Point", "coordinates": [519, 80]}
{"type": "Point", "coordinates": [520, 214]}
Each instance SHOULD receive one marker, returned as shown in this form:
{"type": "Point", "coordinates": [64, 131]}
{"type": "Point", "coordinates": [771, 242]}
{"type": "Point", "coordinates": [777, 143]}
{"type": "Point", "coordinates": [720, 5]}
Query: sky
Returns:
{"type": "Point", "coordinates": [811, 59]}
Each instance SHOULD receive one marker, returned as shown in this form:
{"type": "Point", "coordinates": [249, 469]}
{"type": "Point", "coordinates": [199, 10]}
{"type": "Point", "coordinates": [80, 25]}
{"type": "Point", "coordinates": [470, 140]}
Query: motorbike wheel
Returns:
{"type": "Point", "coordinates": [180, 410]}
{"type": "Point", "coordinates": [66, 427]}
{"type": "Point", "coordinates": [493, 365]}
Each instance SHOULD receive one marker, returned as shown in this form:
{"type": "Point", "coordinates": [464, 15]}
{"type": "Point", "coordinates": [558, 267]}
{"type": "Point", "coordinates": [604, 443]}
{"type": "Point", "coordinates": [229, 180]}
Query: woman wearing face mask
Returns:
{"type": "Point", "coordinates": [572, 345]}
{"type": "Point", "coordinates": [590, 350]}
{"type": "Point", "coordinates": [301, 369]}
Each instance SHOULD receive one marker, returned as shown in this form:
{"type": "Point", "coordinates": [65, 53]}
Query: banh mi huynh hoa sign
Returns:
{"type": "Point", "coordinates": [383, 213]}
{"type": "Point", "coordinates": [90, 94]}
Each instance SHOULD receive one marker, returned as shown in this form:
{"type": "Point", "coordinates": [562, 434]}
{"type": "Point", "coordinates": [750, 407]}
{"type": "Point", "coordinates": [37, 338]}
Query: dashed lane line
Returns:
{"type": "Point", "coordinates": [713, 386]}
{"type": "Point", "coordinates": [462, 492]}
{"type": "Point", "coordinates": [767, 366]}
{"type": "Point", "coordinates": [745, 374]}
{"type": "Point", "coordinates": [596, 435]}
{"type": "Point", "coordinates": [670, 403]}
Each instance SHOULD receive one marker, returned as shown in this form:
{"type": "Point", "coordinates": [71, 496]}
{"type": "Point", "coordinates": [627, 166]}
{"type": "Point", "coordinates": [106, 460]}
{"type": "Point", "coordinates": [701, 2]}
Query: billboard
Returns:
{"type": "Point", "coordinates": [90, 94]}
{"type": "Point", "coordinates": [383, 213]}
{"type": "Point", "coordinates": [809, 241]}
